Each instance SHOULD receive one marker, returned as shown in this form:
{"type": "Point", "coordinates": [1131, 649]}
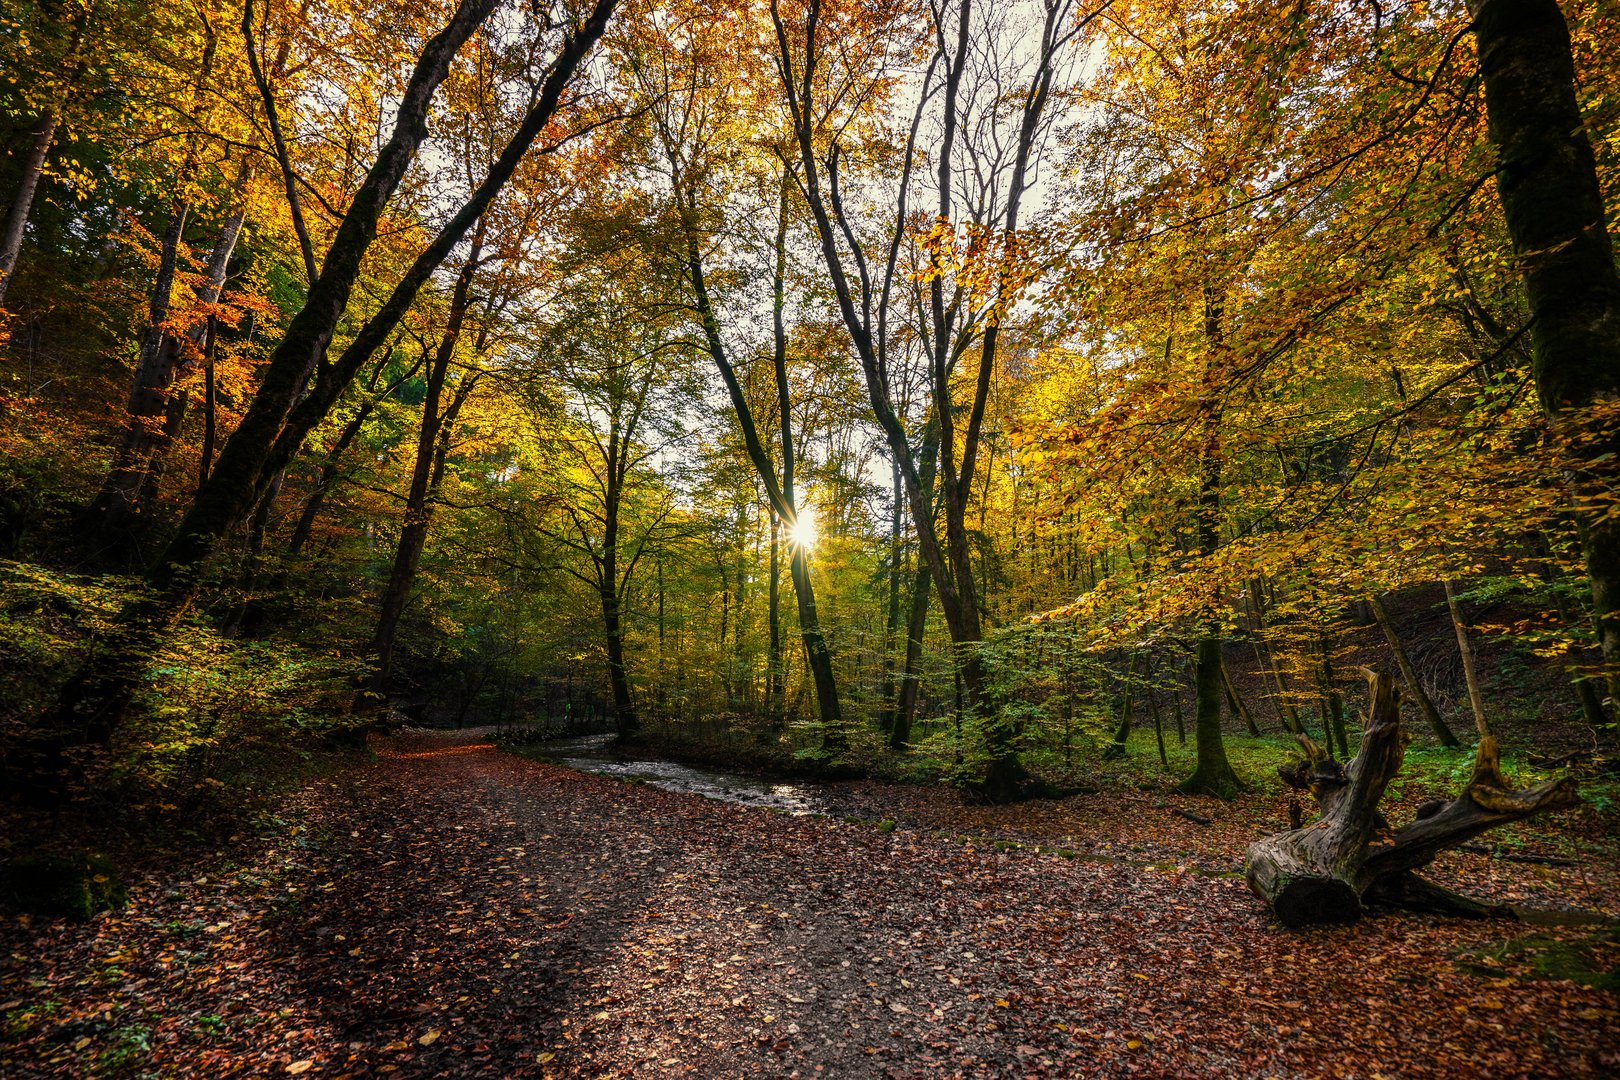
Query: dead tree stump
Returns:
{"type": "Point", "coordinates": [1348, 858]}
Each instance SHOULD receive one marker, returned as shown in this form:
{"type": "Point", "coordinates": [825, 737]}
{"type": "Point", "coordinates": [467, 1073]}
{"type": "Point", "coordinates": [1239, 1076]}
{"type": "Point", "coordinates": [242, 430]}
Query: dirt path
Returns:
{"type": "Point", "coordinates": [455, 911]}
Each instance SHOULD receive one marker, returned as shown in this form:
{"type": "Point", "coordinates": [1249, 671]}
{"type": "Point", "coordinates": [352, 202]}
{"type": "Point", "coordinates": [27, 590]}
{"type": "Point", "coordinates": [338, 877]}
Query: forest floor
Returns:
{"type": "Point", "coordinates": [452, 910]}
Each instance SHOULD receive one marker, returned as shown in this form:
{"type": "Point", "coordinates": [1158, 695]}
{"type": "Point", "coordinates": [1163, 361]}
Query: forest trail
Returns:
{"type": "Point", "coordinates": [452, 910]}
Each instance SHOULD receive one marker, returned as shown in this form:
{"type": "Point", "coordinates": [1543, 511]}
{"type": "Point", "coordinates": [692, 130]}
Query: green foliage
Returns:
{"type": "Point", "coordinates": [1588, 960]}
{"type": "Point", "coordinates": [209, 703]}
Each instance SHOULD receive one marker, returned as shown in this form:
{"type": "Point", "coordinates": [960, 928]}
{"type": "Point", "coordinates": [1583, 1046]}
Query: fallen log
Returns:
{"type": "Point", "coordinates": [1517, 856]}
{"type": "Point", "coordinates": [1349, 858]}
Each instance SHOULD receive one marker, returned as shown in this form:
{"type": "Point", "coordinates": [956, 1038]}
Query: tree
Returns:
{"type": "Point", "coordinates": [978, 261]}
{"type": "Point", "coordinates": [432, 450]}
{"type": "Point", "coordinates": [286, 406]}
{"type": "Point", "coordinates": [611, 348]}
{"type": "Point", "coordinates": [1546, 175]}
{"type": "Point", "coordinates": [707, 155]}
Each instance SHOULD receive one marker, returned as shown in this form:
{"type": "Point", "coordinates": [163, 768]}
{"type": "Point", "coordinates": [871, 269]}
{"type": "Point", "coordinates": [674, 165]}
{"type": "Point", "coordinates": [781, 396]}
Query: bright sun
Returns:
{"type": "Point", "coordinates": [803, 532]}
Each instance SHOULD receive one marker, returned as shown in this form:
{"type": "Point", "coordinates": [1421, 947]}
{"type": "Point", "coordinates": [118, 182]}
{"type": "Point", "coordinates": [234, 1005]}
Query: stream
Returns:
{"type": "Point", "coordinates": [595, 754]}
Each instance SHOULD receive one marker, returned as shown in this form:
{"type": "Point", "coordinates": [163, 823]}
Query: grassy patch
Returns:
{"type": "Point", "coordinates": [1592, 960]}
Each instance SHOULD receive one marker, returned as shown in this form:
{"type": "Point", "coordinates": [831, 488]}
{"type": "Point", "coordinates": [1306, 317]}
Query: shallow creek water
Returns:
{"type": "Point", "coordinates": [594, 753]}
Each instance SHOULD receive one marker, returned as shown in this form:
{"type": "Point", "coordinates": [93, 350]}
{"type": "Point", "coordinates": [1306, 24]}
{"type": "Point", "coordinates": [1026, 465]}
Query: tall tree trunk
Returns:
{"type": "Point", "coordinates": [742, 679]}
{"type": "Point", "coordinates": [1332, 701]}
{"type": "Point", "coordinates": [210, 403]}
{"type": "Point", "coordinates": [1213, 774]}
{"type": "Point", "coordinates": [1409, 675]}
{"type": "Point", "coordinates": [1586, 692]}
{"type": "Point", "coordinates": [624, 710]}
{"type": "Point", "coordinates": [186, 356]}
{"type": "Point", "coordinates": [863, 305]}
{"type": "Point", "coordinates": [1290, 712]}
{"type": "Point", "coordinates": [1158, 718]}
{"type": "Point", "coordinates": [616, 467]}
{"type": "Point", "coordinates": [910, 686]}
{"type": "Point", "coordinates": [1175, 701]}
{"type": "Point", "coordinates": [22, 201]}
{"type": "Point", "coordinates": [425, 472]}
{"type": "Point", "coordinates": [117, 503]}
{"type": "Point", "coordinates": [1122, 731]}
{"type": "Point", "coordinates": [891, 625]}
{"type": "Point", "coordinates": [816, 655]}
{"type": "Point", "coordinates": [157, 405]}
{"type": "Point", "coordinates": [1548, 182]}
{"type": "Point", "coordinates": [726, 689]}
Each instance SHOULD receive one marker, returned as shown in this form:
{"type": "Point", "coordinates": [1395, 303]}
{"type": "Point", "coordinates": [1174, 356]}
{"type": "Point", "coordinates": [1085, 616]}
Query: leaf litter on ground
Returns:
{"type": "Point", "coordinates": [450, 910]}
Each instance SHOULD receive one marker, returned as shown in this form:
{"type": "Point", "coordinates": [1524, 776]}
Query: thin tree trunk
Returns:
{"type": "Point", "coordinates": [1235, 700]}
{"type": "Point", "coordinates": [743, 678]}
{"type": "Point", "coordinates": [1122, 731]}
{"type": "Point", "coordinates": [210, 403]}
{"type": "Point", "coordinates": [782, 497]}
{"type": "Point", "coordinates": [775, 688]}
{"type": "Point", "coordinates": [905, 709]}
{"type": "Point", "coordinates": [425, 472]}
{"type": "Point", "coordinates": [1213, 774]}
{"type": "Point", "coordinates": [22, 202]}
{"type": "Point", "coordinates": [1158, 719]}
{"type": "Point", "coordinates": [864, 308]}
{"type": "Point", "coordinates": [1286, 708]}
{"type": "Point", "coordinates": [1409, 675]}
{"type": "Point", "coordinates": [1175, 700]}
{"type": "Point", "coordinates": [185, 356]}
{"type": "Point", "coordinates": [1332, 701]}
{"type": "Point", "coordinates": [891, 626]}
{"type": "Point", "coordinates": [117, 503]}
{"type": "Point", "coordinates": [1476, 699]}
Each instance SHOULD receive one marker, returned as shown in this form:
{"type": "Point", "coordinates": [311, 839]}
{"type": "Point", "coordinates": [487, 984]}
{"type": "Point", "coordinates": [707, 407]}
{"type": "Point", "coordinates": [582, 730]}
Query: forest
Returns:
{"type": "Point", "coordinates": [788, 537]}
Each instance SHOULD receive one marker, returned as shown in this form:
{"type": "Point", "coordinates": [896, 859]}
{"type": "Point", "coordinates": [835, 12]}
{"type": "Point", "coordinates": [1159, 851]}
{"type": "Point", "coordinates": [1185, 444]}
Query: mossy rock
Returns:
{"type": "Point", "coordinates": [77, 886]}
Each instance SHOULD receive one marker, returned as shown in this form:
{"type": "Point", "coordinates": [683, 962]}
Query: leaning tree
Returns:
{"type": "Point", "coordinates": [1329, 870]}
